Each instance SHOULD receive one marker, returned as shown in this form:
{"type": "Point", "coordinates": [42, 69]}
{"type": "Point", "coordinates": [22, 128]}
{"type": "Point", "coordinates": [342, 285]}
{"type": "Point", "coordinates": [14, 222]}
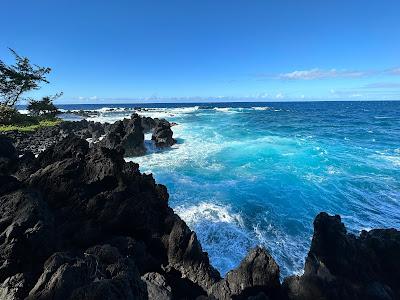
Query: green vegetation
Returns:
{"type": "Point", "coordinates": [17, 79]}
{"type": "Point", "coordinates": [44, 107]}
{"type": "Point", "coordinates": [20, 78]}
{"type": "Point", "coordinates": [31, 127]}
{"type": "Point", "coordinates": [10, 115]}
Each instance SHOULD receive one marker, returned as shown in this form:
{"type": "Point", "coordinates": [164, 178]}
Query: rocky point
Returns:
{"type": "Point", "coordinates": [79, 222]}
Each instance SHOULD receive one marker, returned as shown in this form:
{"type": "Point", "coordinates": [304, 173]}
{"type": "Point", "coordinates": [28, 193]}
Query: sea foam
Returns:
{"type": "Point", "coordinates": [242, 176]}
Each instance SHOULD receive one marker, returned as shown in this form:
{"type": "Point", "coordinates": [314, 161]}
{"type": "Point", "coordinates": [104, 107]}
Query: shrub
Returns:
{"type": "Point", "coordinates": [11, 116]}
{"type": "Point", "coordinates": [44, 107]}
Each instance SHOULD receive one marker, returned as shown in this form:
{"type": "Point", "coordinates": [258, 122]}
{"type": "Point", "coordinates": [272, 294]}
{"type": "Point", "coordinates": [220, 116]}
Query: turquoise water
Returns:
{"type": "Point", "coordinates": [246, 174]}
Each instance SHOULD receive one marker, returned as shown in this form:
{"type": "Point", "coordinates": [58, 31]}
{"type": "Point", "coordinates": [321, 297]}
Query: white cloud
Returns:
{"type": "Point", "coordinates": [394, 71]}
{"type": "Point", "coordinates": [279, 96]}
{"type": "Point", "coordinates": [262, 95]}
{"type": "Point", "coordinates": [321, 74]}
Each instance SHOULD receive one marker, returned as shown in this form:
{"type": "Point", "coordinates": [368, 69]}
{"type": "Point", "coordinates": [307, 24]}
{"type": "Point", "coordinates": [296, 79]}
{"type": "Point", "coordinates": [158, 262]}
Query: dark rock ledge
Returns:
{"type": "Point", "coordinates": [127, 134]}
{"type": "Point", "coordinates": [79, 222]}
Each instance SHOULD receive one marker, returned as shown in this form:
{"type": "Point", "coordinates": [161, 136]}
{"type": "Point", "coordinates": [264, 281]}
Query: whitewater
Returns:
{"type": "Point", "coordinates": [246, 174]}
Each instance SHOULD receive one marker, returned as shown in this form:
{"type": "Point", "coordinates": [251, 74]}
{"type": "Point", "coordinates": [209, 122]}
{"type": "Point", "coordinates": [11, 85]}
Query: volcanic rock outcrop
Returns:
{"type": "Point", "coordinates": [342, 266]}
{"type": "Point", "coordinates": [79, 222]}
{"type": "Point", "coordinates": [127, 134]}
{"type": "Point", "coordinates": [162, 134]}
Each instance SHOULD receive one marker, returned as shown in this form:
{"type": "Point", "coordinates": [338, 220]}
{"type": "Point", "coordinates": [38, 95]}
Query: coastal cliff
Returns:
{"type": "Point", "coordinates": [78, 222]}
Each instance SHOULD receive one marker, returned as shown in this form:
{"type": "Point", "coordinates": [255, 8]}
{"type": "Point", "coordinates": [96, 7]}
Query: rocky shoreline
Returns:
{"type": "Point", "coordinates": [127, 133]}
{"type": "Point", "coordinates": [78, 222]}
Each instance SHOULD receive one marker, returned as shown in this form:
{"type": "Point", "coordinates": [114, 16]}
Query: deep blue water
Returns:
{"type": "Point", "coordinates": [244, 174]}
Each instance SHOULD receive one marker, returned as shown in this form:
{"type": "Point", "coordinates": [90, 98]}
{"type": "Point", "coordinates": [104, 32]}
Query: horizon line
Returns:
{"type": "Point", "coordinates": [223, 102]}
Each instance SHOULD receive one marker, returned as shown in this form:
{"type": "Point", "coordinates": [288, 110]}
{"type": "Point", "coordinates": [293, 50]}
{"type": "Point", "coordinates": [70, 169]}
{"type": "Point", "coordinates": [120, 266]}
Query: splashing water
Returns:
{"type": "Point", "coordinates": [246, 174]}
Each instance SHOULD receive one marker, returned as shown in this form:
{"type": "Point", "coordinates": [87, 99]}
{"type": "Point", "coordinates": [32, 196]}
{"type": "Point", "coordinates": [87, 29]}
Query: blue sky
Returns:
{"type": "Point", "coordinates": [157, 51]}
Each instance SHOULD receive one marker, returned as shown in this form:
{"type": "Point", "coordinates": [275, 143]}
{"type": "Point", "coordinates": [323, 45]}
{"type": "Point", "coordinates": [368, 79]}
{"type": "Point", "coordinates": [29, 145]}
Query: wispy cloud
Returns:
{"type": "Point", "coordinates": [318, 73]}
{"type": "Point", "coordinates": [82, 98]}
{"type": "Point", "coordinates": [393, 71]}
{"type": "Point", "coordinates": [322, 74]}
{"type": "Point", "coordinates": [382, 85]}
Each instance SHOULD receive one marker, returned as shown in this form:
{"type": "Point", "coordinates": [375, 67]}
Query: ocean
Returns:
{"type": "Point", "coordinates": [247, 174]}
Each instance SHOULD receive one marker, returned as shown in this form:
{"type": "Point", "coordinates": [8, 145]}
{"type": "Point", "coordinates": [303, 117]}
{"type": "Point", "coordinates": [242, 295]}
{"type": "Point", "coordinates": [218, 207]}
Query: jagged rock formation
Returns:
{"type": "Point", "coordinates": [343, 266]}
{"type": "Point", "coordinates": [43, 138]}
{"type": "Point", "coordinates": [127, 134]}
{"type": "Point", "coordinates": [157, 286]}
{"type": "Point", "coordinates": [79, 222]}
{"type": "Point", "coordinates": [149, 124]}
{"type": "Point", "coordinates": [162, 134]}
{"type": "Point", "coordinates": [258, 274]}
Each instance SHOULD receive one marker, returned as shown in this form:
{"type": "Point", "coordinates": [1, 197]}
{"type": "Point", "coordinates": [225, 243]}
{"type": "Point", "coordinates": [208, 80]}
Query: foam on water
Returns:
{"type": "Point", "coordinates": [228, 110]}
{"type": "Point", "coordinates": [245, 175]}
{"type": "Point", "coordinates": [261, 108]}
{"type": "Point", "coordinates": [208, 212]}
{"type": "Point", "coordinates": [221, 232]}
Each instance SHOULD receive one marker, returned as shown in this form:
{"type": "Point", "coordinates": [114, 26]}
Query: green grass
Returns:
{"type": "Point", "coordinates": [30, 127]}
